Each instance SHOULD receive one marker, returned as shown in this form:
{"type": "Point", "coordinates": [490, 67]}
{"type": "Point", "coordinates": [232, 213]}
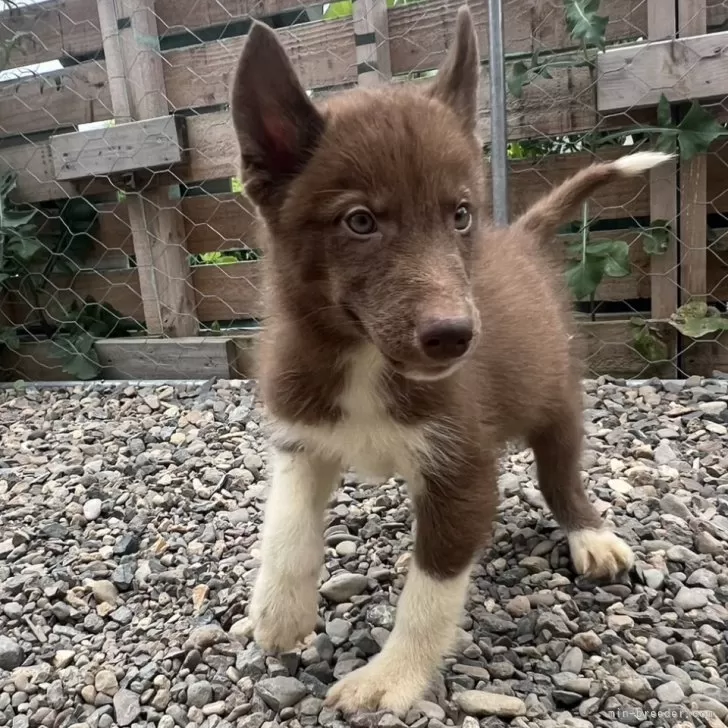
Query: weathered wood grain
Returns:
{"type": "Point", "coordinates": [139, 145]}
{"type": "Point", "coordinates": [685, 69]}
{"type": "Point", "coordinates": [75, 95]}
{"type": "Point", "coordinates": [692, 20]}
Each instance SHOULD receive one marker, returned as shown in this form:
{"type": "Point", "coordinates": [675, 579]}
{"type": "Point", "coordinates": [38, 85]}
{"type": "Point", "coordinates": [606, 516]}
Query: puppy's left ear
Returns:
{"type": "Point", "coordinates": [456, 83]}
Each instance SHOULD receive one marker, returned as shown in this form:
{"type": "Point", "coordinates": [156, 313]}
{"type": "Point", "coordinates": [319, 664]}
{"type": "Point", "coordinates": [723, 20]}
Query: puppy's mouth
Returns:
{"type": "Point", "coordinates": [432, 373]}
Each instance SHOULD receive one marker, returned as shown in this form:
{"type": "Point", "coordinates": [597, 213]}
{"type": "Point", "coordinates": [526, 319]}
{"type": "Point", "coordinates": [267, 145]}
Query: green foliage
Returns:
{"type": "Point", "coordinates": [656, 238]}
{"type": "Point", "coordinates": [647, 341]}
{"type": "Point", "coordinates": [75, 338]}
{"type": "Point", "coordinates": [523, 73]}
{"type": "Point", "coordinates": [697, 319]}
{"type": "Point", "coordinates": [227, 258]}
{"type": "Point", "coordinates": [584, 23]}
{"type": "Point", "coordinates": [692, 136]}
{"type": "Point", "coordinates": [345, 8]}
{"type": "Point", "coordinates": [27, 263]}
{"type": "Point", "coordinates": [595, 259]}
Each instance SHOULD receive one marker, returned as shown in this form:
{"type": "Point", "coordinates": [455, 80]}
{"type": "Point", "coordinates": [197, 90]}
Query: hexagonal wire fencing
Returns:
{"type": "Point", "coordinates": [128, 245]}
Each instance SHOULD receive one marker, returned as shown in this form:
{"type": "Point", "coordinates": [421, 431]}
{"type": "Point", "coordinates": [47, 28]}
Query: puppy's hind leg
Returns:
{"type": "Point", "coordinates": [596, 551]}
{"type": "Point", "coordinates": [285, 596]}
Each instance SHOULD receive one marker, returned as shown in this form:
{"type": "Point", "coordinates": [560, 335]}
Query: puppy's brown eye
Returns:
{"type": "Point", "coordinates": [361, 222]}
{"type": "Point", "coordinates": [463, 218]}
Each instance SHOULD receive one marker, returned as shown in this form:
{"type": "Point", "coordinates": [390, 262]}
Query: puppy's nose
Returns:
{"type": "Point", "coordinates": [443, 339]}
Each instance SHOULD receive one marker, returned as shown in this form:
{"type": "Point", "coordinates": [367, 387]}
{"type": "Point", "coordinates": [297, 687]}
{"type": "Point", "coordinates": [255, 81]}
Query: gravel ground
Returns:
{"type": "Point", "coordinates": [129, 524]}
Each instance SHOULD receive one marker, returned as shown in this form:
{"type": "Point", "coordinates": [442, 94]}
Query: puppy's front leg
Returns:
{"type": "Point", "coordinates": [455, 513]}
{"type": "Point", "coordinates": [285, 597]}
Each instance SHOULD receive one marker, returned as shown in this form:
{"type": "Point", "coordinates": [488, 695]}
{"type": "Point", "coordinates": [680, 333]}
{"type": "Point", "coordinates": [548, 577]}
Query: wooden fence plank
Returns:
{"type": "Point", "coordinates": [371, 38]}
{"type": "Point", "coordinates": [692, 19]}
{"type": "Point", "coordinates": [130, 358]}
{"type": "Point", "coordinates": [323, 53]}
{"type": "Point", "coordinates": [419, 32]}
{"type": "Point", "coordinates": [683, 70]}
{"type": "Point", "coordinates": [75, 95]}
{"type": "Point", "coordinates": [663, 192]}
{"type": "Point", "coordinates": [51, 30]}
{"type": "Point", "coordinates": [156, 225]}
{"type": "Point", "coordinates": [605, 348]}
{"type": "Point", "coordinates": [222, 222]}
{"type": "Point", "coordinates": [181, 358]}
{"type": "Point", "coordinates": [222, 293]}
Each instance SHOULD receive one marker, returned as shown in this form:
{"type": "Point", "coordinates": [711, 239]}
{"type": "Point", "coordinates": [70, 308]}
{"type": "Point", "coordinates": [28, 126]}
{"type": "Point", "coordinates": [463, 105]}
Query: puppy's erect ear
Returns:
{"type": "Point", "coordinates": [276, 124]}
{"type": "Point", "coordinates": [456, 83]}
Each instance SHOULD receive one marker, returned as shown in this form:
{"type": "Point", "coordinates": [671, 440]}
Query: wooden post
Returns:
{"type": "Point", "coordinates": [663, 188]}
{"type": "Point", "coordinates": [664, 290]}
{"type": "Point", "coordinates": [692, 20]}
{"type": "Point", "coordinates": [371, 36]}
{"type": "Point", "coordinates": [136, 81]}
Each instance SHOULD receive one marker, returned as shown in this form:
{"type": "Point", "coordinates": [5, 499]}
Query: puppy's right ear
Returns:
{"type": "Point", "coordinates": [276, 124]}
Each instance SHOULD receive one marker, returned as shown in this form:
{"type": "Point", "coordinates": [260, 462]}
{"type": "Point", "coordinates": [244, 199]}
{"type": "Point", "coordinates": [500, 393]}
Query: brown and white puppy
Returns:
{"type": "Point", "coordinates": [403, 335]}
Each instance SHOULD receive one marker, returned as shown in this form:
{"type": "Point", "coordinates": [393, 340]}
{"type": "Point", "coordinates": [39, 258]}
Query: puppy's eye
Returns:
{"type": "Point", "coordinates": [361, 222]}
{"type": "Point", "coordinates": [463, 218]}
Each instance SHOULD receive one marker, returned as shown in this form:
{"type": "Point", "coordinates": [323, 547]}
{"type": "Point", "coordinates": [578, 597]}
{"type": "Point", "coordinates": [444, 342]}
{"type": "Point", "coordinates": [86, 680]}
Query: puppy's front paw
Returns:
{"type": "Point", "coordinates": [599, 553]}
{"type": "Point", "coordinates": [283, 614]}
{"type": "Point", "coordinates": [378, 686]}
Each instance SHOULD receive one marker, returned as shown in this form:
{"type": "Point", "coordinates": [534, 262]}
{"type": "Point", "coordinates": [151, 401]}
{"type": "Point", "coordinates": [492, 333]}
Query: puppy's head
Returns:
{"type": "Point", "coordinates": [372, 201]}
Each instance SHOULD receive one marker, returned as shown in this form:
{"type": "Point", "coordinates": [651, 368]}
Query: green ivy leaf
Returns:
{"type": "Point", "coordinates": [584, 25]}
{"type": "Point", "coordinates": [697, 131]}
{"type": "Point", "coordinates": [14, 219]}
{"type": "Point", "coordinates": [83, 366]}
{"type": "Point", "coordinates": [517, 80]}
{"type": "Point", "coordinates": [25, 248]}
{"type": "Point", "coordinates": [616, 264]}
{"type": "Point", "coordinates": [342, 9]}
{"type": "Point", "coordinates": [584, 277]}
{"type": "Point", "coordinates": [696, 319]}
{"type": "Point", "coordinates": [648, 343]}
{"type": "Point", "coordinates": [9, 337]}
{"type": "Point", "coordinates": [656, 238]}
{"type": "Point", "coordinates": [664, 113]}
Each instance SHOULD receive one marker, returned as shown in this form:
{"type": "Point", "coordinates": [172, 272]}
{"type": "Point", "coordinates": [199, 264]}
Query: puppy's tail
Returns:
{"type": "Point", "coordinates": [559, 206]}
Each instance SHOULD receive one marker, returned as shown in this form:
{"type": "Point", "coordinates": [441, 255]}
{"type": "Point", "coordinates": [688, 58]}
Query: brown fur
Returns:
{"type": "Point", "coordinates": [409, 154]}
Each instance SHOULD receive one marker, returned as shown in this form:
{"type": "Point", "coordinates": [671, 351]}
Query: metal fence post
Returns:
{"type": "Point", "coordinates": [498, 123]}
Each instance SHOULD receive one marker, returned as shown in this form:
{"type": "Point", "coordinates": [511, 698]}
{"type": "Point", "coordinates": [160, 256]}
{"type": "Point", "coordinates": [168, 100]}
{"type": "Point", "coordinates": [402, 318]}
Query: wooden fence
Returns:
{"type": "Point", "coordinates": [138, 61]}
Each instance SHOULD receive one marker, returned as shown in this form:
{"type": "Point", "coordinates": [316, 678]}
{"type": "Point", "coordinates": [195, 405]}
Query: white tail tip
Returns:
{"type": "Point", "coordinates": [634, 164]}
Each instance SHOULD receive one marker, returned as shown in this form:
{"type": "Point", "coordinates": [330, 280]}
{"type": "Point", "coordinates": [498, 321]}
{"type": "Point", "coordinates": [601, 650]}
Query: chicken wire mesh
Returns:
{"type": "Point", "coordinates": [117, 259]}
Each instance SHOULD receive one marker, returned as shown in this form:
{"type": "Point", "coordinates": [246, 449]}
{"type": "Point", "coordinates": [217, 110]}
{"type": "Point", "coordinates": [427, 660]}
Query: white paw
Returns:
{"type": "Point", "coordinates": [283, 614]}
{"type": "Point", "coordinates": [599, 553]}
{"type": "Point", "coordinates": [378, 686]}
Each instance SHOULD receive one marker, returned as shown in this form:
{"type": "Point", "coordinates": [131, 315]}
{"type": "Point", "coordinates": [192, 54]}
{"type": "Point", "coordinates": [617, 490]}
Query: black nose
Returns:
{"type": "Point", "coordinates": [443, 339]}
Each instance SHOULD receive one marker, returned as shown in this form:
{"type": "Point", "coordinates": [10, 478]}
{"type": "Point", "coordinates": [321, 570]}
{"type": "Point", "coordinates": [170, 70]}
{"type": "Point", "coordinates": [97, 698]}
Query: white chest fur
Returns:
{"type": "Point", "coordinates": [366, 439]}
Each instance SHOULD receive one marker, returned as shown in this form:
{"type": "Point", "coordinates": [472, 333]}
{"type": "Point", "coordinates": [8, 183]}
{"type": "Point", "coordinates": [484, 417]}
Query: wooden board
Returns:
{"type": "Point", "coordinates": [706, 356]}
{"type": "Point", "coordinates": [131, 358]}
{"type": "Point", "coordinates": [606, 348]}
{"type": "Point", "coordinates": [224, 293]}
{"type": "Point", "coordinates": [51, 30]}
{"type": "Point", "coordinates": [75, 95]}
{"type": "Point", "coordinates": [685, 69]}
{"type": "Point", "coordinates": [219, 223]}
{"type": "Point", "coordinates": [179, 358]}
{"type": "Point", "coordinates": [419, 33]}
{"type": "Point", "coordinates": [691, 21]}
{"type": "Point", "coordinates": [323, 53]}
{"type": "Point", "coordinates": [137, 145]}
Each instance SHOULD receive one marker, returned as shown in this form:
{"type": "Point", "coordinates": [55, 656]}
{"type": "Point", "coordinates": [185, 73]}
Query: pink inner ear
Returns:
{"type": "Point", "coordinates": [280, 136]}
